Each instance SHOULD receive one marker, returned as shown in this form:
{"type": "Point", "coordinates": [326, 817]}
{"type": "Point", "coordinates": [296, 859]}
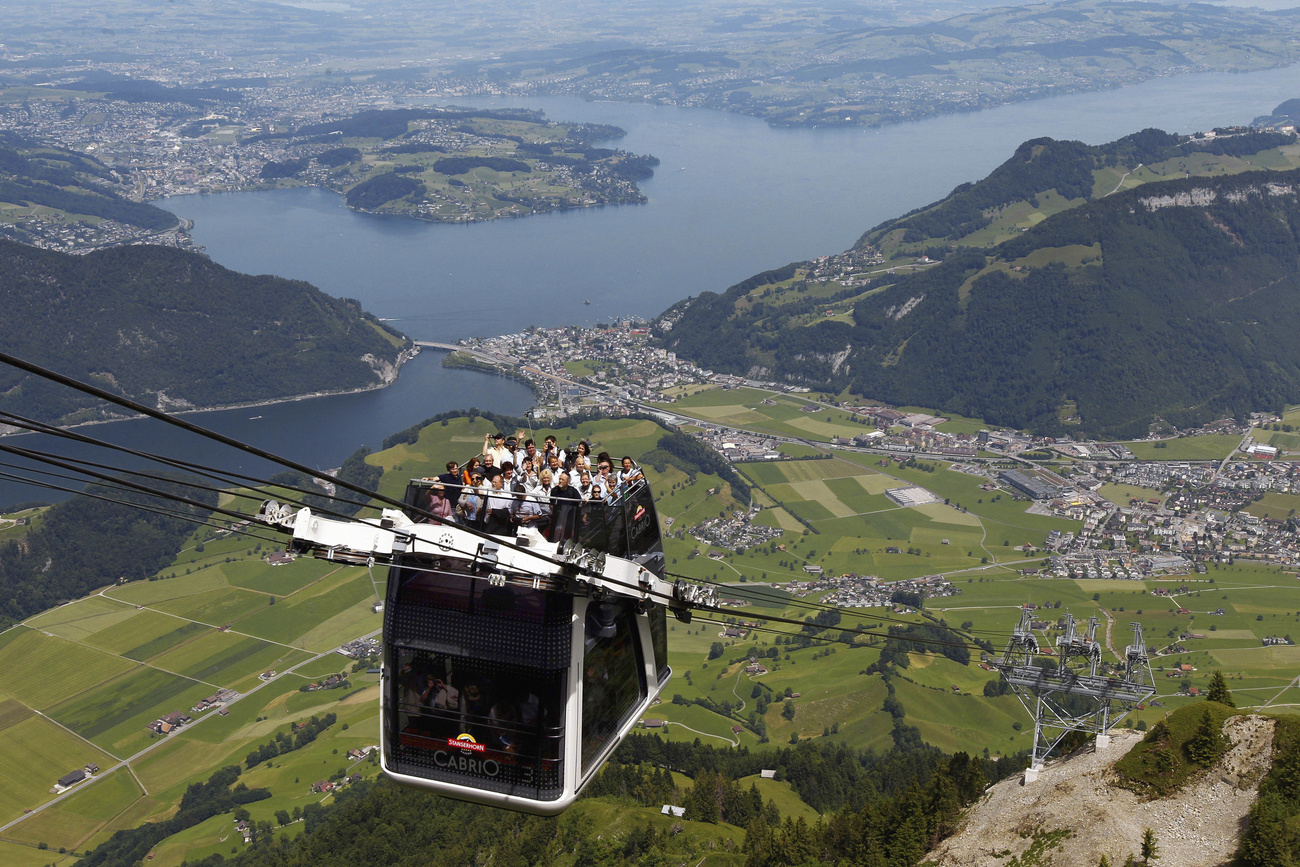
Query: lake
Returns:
{"type": "Point", "coordinates": [731, 197]}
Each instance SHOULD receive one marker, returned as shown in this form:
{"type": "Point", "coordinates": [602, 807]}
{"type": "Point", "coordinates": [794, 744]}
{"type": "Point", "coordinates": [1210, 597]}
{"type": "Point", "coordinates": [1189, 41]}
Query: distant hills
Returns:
{"type": "Point", "coordinates": [39, 180]}
{"type": "Point", "coordinates": [172, 329]}
{"type": "Point", "coordinates": [1171, 300]}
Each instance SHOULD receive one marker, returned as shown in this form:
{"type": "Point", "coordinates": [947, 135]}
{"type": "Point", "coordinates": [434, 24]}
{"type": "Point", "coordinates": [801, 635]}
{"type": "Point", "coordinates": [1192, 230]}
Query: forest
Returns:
{"type": "Point", "coordinates": [883, 811]}
{"type": "Point", "coordinates": [84, 543]}
{"type": "Point", "coordinates": [35, 174]}
{"type": "Point", "coordinates": [1184, 315]}
{"type": "Point", "coordinates": [173, 329]}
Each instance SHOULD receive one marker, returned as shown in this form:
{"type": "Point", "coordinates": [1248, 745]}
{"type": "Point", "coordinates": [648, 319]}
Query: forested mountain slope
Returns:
{"type": "Point", "coordinates": [1176, 299]}
{"type": "Point", "coordinates": [36, 177]}
{"type": "Point", "coordinates": [173, 329]}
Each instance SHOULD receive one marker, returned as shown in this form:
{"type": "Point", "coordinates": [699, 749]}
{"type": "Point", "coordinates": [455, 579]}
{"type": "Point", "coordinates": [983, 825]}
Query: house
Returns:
{"type": "Point", "coordinates": [737, 729]}
{"type": "Point", "coordinates": [72, 778]}
{"type": "Point", "coordinates": [767, 774]}
{"type": "Point", "coordinates": [652, 723]}
{"type": "Point", "coordinates": [670, 810]}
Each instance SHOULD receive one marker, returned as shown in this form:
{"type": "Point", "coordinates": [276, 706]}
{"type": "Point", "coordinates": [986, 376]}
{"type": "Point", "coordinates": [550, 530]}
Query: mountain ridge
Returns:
{"type": "Point", "coordinates": [1171, 300]}
{"type": "Point", "coordinates": [173, 329]}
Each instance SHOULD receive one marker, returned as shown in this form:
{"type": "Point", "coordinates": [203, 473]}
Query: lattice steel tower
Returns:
{"type": "Point", "coordinates": [1070, 695]}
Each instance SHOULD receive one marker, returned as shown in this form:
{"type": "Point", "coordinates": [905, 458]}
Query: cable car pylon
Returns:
{"type": "Point", "coordinates": [1071, 693]}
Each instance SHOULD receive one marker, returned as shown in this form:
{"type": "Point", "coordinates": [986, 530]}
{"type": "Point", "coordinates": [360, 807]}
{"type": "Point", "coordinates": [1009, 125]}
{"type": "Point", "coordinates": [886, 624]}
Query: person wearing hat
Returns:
{"type": "Point", "coordinates": [494, 446]}
{"type": "Point", "coordinates": [439, 504]}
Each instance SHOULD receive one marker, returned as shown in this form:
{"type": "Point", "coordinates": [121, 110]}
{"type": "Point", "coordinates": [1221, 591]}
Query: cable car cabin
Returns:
{"type": "Point", "coordinates": [504, 687]}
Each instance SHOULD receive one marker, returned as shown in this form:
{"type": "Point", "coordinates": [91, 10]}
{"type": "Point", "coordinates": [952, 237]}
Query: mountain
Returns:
{"type": "Point", "coordinates": [173, 329]}
{"type": "Point", "coordinates": [1171, 300]}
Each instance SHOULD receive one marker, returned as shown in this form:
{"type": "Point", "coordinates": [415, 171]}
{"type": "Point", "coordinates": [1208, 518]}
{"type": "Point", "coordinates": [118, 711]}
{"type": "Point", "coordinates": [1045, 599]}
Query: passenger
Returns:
{"type": "Point", "coordinates": [630, 473]}
{"type": "Point", "coordinates": [553, 464]}
{"type": "Point", "coordinates": [452, 482]}
{"type": "Point", "coordinates": [490, 468]}
{"type": "Point", "coordinates": [438, 695]}
{"type": "Point", "coordinates": [503, 726]}
{"type": "Point", "coordinates": [475, 708]}
{"type": "Point", "coordinates": [545, 482]}
{"type": "Point", "coordinates": [565, 502]}
{"type": "Point", "coordinates": [603, 480]}
{"type": "Point", "coordinates": [470, 466]}
{"type": "Point", "coordinates": [508, 479]}
{"type": "Point", "coordinates": [527, 475]}
{"type": "Point", "coordinates": [529, 452]}
{"type": "Point", "coordinates": [440, 504]}
{"type": "Point", "coordinates": [584, 485]}
{"type": "Point", "coordinates": [582, 457]}
{"type": "Point", "coordinates": [470, 506]}
{"type": "Point", "coordinates": [497, 509]}
{"type": "Point", "coordinates": [552, 447]}
{"type": "Point", "coordinates": [531, 510]}
{"type": "Point", "coordinates": [494, 446]}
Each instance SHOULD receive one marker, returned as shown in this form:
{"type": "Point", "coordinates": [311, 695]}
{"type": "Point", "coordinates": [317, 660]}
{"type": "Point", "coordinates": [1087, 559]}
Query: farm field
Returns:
{"type": "Point", "coordinates": [1198, 448]}
{"type": "Point", "coordinates": [142, 649]}
{"type": "Point", "coordinates": [45, 752]}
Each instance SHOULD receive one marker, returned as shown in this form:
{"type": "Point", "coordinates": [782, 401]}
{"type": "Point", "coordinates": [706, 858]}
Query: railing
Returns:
{"type": "Point", "coordinates": [623, 524]}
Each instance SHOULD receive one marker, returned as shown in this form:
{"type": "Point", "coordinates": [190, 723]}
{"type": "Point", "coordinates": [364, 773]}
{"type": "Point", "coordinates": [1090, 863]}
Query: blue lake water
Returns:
{"type": "Point", "coordinates": [731, 197]}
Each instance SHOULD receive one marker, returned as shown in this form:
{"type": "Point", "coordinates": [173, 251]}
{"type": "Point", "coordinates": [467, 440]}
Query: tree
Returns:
{"type": "Point", "coordinates": [716, 650]}
{"type": "Point", "coordinates": [788, 710]}
{"type": "Point", "coordinates": [1219, 691]}
{"type": "Point", "coordinates": [282, 816]}
{"type": "Point", "coordinates": [1150, 851]}
{"type": "Point", "coordinates": [1208, 743]}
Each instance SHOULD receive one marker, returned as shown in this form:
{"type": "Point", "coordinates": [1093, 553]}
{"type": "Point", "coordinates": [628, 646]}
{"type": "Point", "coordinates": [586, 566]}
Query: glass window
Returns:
{"type": "Point", "coordinates": [658, 617]}
{"type": "Point", "coordinates": [613, 683]}
{"type": "Point", "coordinates": [476, 723]}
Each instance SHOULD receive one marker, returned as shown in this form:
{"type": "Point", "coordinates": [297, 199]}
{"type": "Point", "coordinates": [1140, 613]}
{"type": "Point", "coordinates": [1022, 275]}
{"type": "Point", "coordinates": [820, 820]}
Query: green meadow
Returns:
{"type": "Point", "coordinates": [1209, 447]}
{"type": "Point", "coordinates": [107, 665]}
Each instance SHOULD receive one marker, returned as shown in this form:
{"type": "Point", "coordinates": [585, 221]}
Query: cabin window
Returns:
{"type": "Point", "coordinates": [488, 725]}
{"type": "Point", "coordinates": [658, 616]}
{"type": "Point", "coordinates": [613, 683]}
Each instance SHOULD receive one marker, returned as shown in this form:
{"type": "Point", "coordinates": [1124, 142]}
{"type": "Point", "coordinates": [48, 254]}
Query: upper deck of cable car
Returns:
{"type": "Point", "coordinates": [523, 635]}
{"type": "Point", "coordinates": [506, 689]}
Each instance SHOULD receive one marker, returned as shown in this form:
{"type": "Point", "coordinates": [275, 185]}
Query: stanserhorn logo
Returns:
{"type": "Point", "coordinates": [465, 741]}
{"type": "Point", "coordinates": [639, 513]}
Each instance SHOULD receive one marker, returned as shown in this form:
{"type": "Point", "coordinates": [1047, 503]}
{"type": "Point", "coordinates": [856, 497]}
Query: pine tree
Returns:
{"type": "Point", "coordinates": [1208, 743]}
{"type": "Point", "coordinates": [1150, 851]}
{"type": "Point", "coordinates": [1218, 690]}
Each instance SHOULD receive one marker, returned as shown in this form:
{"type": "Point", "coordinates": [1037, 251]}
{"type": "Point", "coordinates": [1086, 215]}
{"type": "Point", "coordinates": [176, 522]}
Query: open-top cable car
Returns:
{"type": "Point", "coordinates": [512, 666]}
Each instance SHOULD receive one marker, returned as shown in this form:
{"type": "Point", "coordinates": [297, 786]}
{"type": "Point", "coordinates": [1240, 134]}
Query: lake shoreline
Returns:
{"type": "Point", "coordinates": [403, 357]}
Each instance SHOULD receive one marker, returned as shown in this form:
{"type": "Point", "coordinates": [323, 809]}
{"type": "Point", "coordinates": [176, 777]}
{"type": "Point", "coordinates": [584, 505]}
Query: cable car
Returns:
{"type": "Point", "coordinates": [512, 665]}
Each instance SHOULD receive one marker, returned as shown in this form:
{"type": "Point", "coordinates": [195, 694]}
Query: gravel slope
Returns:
{"type": "Point", "coordinates": [1198, 827]}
